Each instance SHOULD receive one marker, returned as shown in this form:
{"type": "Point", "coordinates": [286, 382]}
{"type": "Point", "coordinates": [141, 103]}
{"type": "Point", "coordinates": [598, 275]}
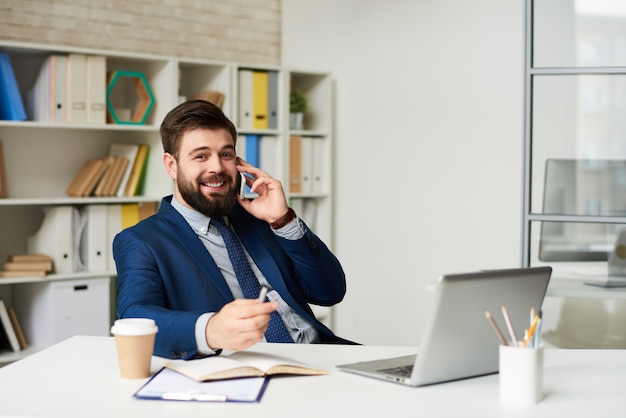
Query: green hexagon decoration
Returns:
{"type": "Point", "coordinates": [142, 88]}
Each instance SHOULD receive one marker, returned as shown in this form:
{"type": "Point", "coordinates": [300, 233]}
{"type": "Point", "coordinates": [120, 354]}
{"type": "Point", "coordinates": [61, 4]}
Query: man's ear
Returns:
{"type": "Point", "coordinates": [170, 164]}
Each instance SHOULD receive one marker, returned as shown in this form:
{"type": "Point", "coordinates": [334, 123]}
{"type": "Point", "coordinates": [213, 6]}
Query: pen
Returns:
{"type": "Point", "coordinates": [531, 331]}
{"type": "Point", "coordinates": [193, 396]}
{"type": "Point", "coordinates": [495, 327]}
{"type": "Point", "coordinates": [509, 325]}
{"type": "Point", "coordinates": [262, 294]}
{"type": "Point", "coordinates": [537, 336]}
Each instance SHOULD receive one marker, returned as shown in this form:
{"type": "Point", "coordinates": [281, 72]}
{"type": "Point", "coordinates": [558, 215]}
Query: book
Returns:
{"type": "Point", "coordinates": [240, 364]}
{"type": "Point", "coordinates": [137, 172]}
{"type": "Point", "coordinates": [212, 96]}
{"type": "Point", "coordinates": [28, 265]}
{"type": "Point", "coordinates": [129, 151]}
{"type": "Point", "coordinates": [108, 184]}
{"type": "Point", "coordinates": [21, 339]}
{"type": "Point", "coordinates": [28, 257]}
{"type": "Point", "coordinates": [87, 178]}
{"type": "Point", "coordinates": [11, 105]}
{"type": "Point", "coordinates": [22, 273]}
{"type": "Point", "coordinates": [9, 332]}
{"type": "Point", "coordinates": [3, 174]}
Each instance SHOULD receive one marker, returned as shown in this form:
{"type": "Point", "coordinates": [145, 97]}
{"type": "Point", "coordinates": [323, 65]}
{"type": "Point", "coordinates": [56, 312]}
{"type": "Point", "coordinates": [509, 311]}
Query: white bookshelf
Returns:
{"type": "Point", "coordinates": [41, 158]}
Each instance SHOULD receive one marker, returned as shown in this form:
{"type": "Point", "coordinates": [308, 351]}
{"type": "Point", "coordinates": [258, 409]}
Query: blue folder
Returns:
{"type": "Point", "coordinates": [11, 105]}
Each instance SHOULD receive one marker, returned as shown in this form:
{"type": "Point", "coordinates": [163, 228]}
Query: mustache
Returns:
{"type": "Point", "coordinates": [216, 178]}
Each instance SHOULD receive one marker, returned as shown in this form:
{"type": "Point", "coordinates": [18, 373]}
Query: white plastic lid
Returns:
{"type": "Point", "coordinates": [134, 326]}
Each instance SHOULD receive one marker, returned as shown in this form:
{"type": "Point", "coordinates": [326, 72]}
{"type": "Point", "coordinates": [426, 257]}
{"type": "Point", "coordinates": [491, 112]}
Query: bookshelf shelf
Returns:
{"type": "Point", "coordinates": [43, 156]}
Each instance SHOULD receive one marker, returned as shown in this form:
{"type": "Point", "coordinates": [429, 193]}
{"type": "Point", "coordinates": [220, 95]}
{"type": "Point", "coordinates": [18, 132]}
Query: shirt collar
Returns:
{"type": "Point", "coordinates": [198, 221]}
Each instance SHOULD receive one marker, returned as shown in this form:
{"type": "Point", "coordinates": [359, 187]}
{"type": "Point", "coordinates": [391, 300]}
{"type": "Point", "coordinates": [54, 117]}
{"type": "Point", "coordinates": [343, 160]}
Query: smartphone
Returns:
{"type": "Point", "coordinates": [242, 185]}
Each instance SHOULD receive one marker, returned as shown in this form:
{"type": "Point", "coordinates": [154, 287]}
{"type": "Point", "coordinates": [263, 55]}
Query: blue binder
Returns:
{"type": "Point", "coordinates": [11, 105]}
{"type": "Point", "coordinates": [252, 152]}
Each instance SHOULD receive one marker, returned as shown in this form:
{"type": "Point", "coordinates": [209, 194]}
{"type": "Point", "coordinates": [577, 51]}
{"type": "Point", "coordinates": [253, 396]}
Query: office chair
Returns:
{"type": "Point", "coordinates": [590, 323]}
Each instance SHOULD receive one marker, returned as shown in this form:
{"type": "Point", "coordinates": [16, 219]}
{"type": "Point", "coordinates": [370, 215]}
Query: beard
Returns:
{"type": "Point", "coordinates": [215, 205]}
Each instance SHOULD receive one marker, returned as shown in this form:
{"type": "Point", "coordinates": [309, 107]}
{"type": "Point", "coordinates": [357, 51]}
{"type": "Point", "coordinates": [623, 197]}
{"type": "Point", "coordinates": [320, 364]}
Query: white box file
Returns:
{"type": "Point", "coordinates": [54, 311]}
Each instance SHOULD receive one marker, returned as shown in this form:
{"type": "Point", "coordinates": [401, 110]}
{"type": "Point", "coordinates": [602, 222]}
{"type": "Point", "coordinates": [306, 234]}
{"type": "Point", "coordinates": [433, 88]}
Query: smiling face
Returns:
{"type": "Point", "coordinates": [205, 173]}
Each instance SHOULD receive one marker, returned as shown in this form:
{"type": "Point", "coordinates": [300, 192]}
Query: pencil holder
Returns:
{"type": "Point", "coordinates": [521, 375]}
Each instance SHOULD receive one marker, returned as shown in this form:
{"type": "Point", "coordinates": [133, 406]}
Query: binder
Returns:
{"type": "Point", "coordinates": [129, 215]}
{"type": "Point", "coordinates": [309, 214]}
{"type": "Point", "coordinates": [317, 157]}
{"type": "Point", "coordinates": [268, 161]}
{"type": "Point", "coordinates": [252, 153]}
{"type": "Point", "coordinates": [11, 104]}
{"type": "Point", "coordinates": [272, 95]}
{"type": "Point", "coordinates": [295, 164]}
{"type": "Point", "coordinates": [55, 238]}
{"type": "Point", "coordinates": [38, 96]}
{"type": "Point", "coordinates": [260, 100]}
{"type": "Point", "coordinates": [306, 164]}
{"type": "Point", "coordinates": [60, 96]}
{"type": "Point", "coordinates": [240, 146]}
{"type": "Point", "coordinates": [252, 149]}
{"type": "Point", "coordinates": [96, 89]}
{"type": "Point", "coordinates": [93, 245]}
{"type": "Point", "coordinates": [76, 88]}
{"type": "Point", "coordinates": [245, 99]}
{"type": "Point", "coordinates": [114, 226]}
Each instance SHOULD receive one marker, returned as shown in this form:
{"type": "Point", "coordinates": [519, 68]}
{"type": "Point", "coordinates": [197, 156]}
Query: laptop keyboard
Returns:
{"type": "Point", "coordinates": [404, 371]}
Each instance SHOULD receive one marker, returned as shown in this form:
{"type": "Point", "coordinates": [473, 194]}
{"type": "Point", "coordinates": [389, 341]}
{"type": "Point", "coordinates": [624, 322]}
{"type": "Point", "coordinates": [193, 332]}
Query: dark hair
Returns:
{"type": "Point", "coordinates": [191, 115]}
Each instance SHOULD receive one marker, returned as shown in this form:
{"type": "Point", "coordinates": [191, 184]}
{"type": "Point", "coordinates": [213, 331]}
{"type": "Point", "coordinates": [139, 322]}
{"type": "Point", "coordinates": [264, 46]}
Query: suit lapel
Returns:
{"type": "Point", "coordinates": [189, 241]}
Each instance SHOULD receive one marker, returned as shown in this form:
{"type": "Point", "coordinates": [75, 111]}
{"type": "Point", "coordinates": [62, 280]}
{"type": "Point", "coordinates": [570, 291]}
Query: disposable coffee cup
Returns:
{"type": "Point", "coordinates": [521, 375]}
{"type": "Point", "coordinates": [134, 339]}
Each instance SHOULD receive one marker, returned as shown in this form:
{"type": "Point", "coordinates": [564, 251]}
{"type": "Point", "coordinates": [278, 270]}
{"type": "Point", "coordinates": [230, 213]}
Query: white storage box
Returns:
{"type": "Point", "coordinates": [54, 311]}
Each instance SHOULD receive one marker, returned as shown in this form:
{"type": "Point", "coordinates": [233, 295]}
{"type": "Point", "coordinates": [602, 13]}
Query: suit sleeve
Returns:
{"type": "Point", "coordinates": [317, 271]}
{"type": "Point", "coordinates": [142, 294]}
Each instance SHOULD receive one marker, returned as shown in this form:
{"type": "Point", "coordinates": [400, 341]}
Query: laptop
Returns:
{"type": "Point", "coordinates": [459, 341]}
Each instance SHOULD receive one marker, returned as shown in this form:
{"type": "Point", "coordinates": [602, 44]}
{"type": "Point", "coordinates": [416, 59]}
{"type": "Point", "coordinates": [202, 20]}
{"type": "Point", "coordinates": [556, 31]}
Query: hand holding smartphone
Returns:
{"type": "Point", "coordinates": [242, 185]}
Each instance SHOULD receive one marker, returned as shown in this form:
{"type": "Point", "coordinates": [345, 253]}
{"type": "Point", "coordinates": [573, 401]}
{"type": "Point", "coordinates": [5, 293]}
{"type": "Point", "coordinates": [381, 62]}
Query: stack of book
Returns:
{"type": "Point", "coordinates": [27, 265]}
{"type": "Point", "coordinates": [118, 174]}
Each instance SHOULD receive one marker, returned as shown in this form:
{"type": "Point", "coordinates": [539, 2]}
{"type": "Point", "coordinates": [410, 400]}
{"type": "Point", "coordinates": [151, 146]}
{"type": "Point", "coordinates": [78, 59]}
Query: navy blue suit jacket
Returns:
{"type": "Point", "coordinates": [165, 273]}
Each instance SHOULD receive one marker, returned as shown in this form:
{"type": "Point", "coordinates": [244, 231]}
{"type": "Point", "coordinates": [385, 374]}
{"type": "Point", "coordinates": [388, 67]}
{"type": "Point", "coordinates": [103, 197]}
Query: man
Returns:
{"type": "Point", "coordinates": [177, 266]}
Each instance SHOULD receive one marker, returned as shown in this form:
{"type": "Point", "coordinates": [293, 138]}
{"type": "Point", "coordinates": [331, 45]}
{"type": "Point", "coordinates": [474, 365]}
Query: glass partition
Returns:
{"type": "Point", "coordinates": [579, 33]}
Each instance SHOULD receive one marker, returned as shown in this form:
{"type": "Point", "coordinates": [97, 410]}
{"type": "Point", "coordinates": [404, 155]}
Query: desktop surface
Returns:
{"type": "Point", "coordinates": [79, 377]}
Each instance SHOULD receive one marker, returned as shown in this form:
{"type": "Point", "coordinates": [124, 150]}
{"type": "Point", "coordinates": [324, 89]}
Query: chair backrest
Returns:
{"type": "Point", "coordinates": [590, 323]}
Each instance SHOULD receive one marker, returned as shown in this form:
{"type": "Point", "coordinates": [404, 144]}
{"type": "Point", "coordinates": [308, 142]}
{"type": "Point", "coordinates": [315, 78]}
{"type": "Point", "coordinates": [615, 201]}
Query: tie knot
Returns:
{"type": "Point", "coordinates": [218, 223]}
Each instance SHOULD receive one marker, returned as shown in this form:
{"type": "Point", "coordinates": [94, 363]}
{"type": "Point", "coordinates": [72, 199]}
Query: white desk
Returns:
{"type": "Point", "coordinates": [79, 378]}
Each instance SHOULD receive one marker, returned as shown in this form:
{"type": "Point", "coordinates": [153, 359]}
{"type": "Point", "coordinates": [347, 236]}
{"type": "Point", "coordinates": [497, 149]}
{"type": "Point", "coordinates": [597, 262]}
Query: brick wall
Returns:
{"type": "Point", "coordinates": [245, 31]}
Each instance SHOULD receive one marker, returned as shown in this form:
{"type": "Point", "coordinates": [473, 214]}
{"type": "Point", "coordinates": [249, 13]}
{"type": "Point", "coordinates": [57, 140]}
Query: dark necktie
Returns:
{"type": "Point", "coordinates": [276, 330]}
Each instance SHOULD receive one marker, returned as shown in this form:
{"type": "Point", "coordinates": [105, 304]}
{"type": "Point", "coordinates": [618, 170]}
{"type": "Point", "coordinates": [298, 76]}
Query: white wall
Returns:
{"type": "Point", "coordinates": [429, 146]}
